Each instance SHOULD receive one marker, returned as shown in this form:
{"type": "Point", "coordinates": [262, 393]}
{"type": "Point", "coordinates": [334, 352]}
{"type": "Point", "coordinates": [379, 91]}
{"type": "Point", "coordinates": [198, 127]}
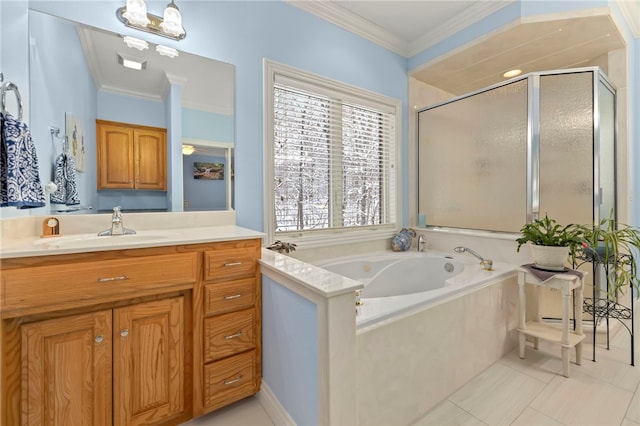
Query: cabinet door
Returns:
{"type": "Point", "coordinates": [151, 159]}
{"type": "Point", "coordinates": [66, 364]}
{"type": "Point", "coordinates": [148, 362]}
{"type": "Point", "coordinates": [115, 157]}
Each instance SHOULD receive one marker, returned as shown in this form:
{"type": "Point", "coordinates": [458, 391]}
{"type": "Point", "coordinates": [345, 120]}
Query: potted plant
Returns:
{"type": "Point", "coordinates": [551, 243]}
{"type": "Point", "coordinates": [611, 242]}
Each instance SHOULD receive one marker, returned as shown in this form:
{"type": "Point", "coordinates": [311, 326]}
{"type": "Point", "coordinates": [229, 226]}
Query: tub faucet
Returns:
{"type": "Point", "coordinates": [486, 264]}
{"type": "Point", "coordinates": [117, 227]}
{"type": "Point", "coordinates": [422, 240]}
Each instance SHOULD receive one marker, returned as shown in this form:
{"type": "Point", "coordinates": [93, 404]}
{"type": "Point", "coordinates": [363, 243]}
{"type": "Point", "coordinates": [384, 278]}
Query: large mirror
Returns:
{"type": "Point", "coordinates": [77, 75]}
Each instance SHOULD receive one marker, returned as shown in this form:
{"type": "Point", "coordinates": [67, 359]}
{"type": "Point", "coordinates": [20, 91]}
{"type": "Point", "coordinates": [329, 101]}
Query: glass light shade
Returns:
{"type": "Point", "coordinates": [136, 13]}
{"type": "Point", "coordinates": [135, 43]}
{"type": "Point", "coordinates": [167, 51]}
{"type": "Point", "coordinates": [172, 21]}
{"type": "Point", "coordinates": [188, 149]}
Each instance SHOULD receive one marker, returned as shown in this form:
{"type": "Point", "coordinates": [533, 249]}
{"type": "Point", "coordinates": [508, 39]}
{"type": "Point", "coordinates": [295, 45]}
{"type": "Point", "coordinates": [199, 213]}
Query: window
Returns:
{"type": "Point", "coordinates": [331, 159]}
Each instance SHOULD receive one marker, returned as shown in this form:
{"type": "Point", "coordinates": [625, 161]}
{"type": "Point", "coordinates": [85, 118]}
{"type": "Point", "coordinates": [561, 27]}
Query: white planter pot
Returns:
{"type": "Point", "coordinates": [550, 258]}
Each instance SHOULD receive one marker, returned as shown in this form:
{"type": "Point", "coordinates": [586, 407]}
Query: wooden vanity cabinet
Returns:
{"type": "Point", "coordinates": [151, 336]}
{"type": "Point", "coordinates": [70, 363]}
{"type": "Point", "coordinates": [109, 343]}
{"type": "Point", "coordinates": [229, 329]}
{"type": "Point", "coordinates": [131, 156]}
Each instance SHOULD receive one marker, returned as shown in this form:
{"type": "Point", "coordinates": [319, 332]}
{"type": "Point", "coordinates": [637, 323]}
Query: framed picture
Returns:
{"type": "Point", "coordinates": [75, 140]}
{"type": "Point", "coordinates": [208, 171]}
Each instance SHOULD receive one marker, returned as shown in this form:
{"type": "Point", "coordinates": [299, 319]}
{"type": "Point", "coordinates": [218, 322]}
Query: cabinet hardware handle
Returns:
{"type": "Point", "coordinates": [108, 279]}
{"type": "Point", "coordinates": [124, 332]}
{"type": "Point", "coordinates": [230, 382]}
{"type": "Point", "coordinates": [99, 339]}
{"type": "Point", "coordinates": [233, 336]}
{"type": "Point", "coordinates": [235, 296]}
{"type": "Point", "coordinates": [233, 264]}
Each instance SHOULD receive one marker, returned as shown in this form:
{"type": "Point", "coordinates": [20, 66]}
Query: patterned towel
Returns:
{"type": "Point", "coordinates": [65, 180]}
{"type": "Point", "coordinates": [20, 184]}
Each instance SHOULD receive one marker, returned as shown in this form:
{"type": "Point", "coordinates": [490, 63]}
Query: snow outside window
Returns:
{"type": "Point", "coordinates": [332, 159]}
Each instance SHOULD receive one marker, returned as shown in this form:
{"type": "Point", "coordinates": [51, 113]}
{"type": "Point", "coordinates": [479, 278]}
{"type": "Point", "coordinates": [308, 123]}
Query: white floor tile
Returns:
{"type": "Point", "coordinates": [498, 395]}
{"type": "Point", "coordinates": [633, 413]}
{"type": "Point", "coordinates": [627, 422]}
{"type": "Point", "coordinates": [543, 364]}
{"type": "Point", "coordinates": [531, 417]}
{"type": "Point", "coordinates": [246, 412]}
{"type": "Point", "coordinates": [613, 366]}
{"type": "Point", "coordinates": [447, 413]}
{"type": "Point", "coordinates": [583, 400]}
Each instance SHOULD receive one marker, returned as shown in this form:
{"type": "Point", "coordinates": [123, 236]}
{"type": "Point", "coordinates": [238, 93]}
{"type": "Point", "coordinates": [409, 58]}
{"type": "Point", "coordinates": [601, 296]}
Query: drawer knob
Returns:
{"type": "Point", "coordinates": [233, 264]}
{"type": "Point", "coordinates": [108, 279]}
{"type": "Point", "coordinates": [232, 381]}
{"type": "Point", "coordinates": [124, 332]}
{"type": "Point", "coordinates": [233, 336]}
{"type": "Point", "coordinates": [235, 296]}
{"type": "Point", "coordinates": [99, 338]}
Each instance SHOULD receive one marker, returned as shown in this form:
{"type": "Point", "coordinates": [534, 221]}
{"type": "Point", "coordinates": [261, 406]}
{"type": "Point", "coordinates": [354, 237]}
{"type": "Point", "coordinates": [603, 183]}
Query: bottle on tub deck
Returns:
{"type": "Point", "coordinates": [402, 241]}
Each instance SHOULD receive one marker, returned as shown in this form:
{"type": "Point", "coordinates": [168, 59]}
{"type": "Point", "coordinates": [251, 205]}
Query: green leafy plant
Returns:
{"type": "Point", "coordinates": [613, 243]}
{"type": "Point", "coordinates": [548, 232]}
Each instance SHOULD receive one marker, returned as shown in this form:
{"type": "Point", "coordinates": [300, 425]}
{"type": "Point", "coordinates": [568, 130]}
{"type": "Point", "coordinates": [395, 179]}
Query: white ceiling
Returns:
{"type": "Point", "coordinates": [529, 44]}
{"type": "Point", "coordinates": [208, 85]}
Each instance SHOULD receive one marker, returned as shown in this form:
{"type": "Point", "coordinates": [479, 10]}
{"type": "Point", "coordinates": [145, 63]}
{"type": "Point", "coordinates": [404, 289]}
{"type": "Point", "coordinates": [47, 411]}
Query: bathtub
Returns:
{"type": "Point", "coordinates": [429, 323]}
{"type": "Point", "coordinates": [399, 283]}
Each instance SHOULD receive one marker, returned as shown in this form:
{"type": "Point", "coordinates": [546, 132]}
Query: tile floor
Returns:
{"type": "Point", "coordinates": [519, 392]}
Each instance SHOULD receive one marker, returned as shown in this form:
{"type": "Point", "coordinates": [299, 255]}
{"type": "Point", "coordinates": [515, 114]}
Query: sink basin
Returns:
{"type": "Point", "coordinates": [92, 240]}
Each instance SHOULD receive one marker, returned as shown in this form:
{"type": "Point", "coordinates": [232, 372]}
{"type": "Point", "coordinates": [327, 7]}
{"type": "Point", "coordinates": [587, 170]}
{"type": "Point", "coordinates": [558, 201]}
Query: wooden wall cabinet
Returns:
{"type": "Point", "coordinates": [131, 157]}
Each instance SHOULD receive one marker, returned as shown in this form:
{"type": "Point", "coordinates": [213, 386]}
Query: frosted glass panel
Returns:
{"type": "Point", "coordinates": [607, 150]}
{"type": "Point", "coordinates": [566, 147]}
{"type": "Point", "coordinates": [472, 160]}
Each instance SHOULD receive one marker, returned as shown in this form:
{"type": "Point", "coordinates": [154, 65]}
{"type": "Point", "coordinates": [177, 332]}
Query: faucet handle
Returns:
{"type": "Point", "coordinates": [116, 209]}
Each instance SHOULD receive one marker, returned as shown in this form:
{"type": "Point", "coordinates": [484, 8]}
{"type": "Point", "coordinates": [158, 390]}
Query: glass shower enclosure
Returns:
{"type": "Point", "coordinates": [542, 143]}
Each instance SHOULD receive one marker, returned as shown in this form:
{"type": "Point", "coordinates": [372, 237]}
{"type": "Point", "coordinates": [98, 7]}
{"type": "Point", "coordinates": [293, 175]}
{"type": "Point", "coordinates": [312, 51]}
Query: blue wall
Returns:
{"type": "Point", "coordinates": [243, 33]}
{"type": "Point", "coordinates": [74, 92]}
{"type": "Point", "coordinates": [129, 109]}
{"type": "Point", "coordinates": [290, 350]}
{"type": "Point", "coordinates": [201, 194]}
{"type": "Point", "coordinates": [206, 125]}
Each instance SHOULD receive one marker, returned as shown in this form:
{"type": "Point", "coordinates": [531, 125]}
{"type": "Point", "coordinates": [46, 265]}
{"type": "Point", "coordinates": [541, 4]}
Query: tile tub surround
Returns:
{"type": "Point", "coordinates": [335, 327]}
{"type": "Point", "coordinates": [394, 371]}
{"type": "Point", "coordinates": [407, 366]}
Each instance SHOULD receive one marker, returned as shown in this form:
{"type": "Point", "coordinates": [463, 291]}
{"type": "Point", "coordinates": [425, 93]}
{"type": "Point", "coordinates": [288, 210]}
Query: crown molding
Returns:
{"type": "Point", "coordinates": [630, 15]}
{"type": "Point", "coordinates": [469, 16]}
{"type": "Point", "coordinates": [354, 23]}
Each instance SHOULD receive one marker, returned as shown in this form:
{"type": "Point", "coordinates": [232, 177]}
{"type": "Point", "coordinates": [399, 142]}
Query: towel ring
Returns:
{"type": "Point", "coordinates": [7, 86]}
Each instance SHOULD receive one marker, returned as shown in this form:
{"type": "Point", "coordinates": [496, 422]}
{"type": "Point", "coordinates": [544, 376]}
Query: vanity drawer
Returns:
{"type": "Point", "coordinates": [74, 283]}
{"type": "Point", "coordinates": [229, 380]}
{"type": "Point", "coordinates": [229, 264]}
{"type": "Point", "coordinates": [229, 334]}
{"type": "Point", "coordinates": [229, 296]}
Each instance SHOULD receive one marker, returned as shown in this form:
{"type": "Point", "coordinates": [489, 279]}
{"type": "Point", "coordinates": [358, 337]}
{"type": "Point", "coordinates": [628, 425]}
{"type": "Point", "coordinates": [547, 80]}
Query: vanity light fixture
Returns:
{"type": "Point", "coordinates": [132, 63]}
{"type": "Point", "coordinates": [188, 149]}
{"type": "Point", "coordinates": [135, 43]}
{"type": "Point", "coordinates": [512, 73]}
{"type": "Point", "coordinates": [134, 15]}
{"type": "Point", "coordinates": [166, 51]}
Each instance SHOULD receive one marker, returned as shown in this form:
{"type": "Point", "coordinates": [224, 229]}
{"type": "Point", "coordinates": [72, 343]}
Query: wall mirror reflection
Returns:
{"type": "Point", "coordinates": [92, 74]}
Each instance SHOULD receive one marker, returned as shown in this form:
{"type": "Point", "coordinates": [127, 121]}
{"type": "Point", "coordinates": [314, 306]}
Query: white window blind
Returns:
{"type": "Point", "coordinates": [333, 159]}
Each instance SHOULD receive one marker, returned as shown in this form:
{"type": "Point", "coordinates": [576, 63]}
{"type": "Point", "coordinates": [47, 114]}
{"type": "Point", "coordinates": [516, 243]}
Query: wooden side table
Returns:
{"type": "Point", "coordinates": [565, 283]}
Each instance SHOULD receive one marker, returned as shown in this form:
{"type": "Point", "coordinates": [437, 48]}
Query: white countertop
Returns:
{"type": "Point", "coordinates": [312, 277]}
{"type": "Point", "coordinates": [85, 242]}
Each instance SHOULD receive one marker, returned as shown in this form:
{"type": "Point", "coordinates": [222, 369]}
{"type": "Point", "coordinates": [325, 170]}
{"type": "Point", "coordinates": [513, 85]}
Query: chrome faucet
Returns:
{"type": "Point", "coordinates": [486, 264]}
{"type": "Point", "coordinates": [422, 241]}
{"type": "Point", "coordinates": [117, 227]}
